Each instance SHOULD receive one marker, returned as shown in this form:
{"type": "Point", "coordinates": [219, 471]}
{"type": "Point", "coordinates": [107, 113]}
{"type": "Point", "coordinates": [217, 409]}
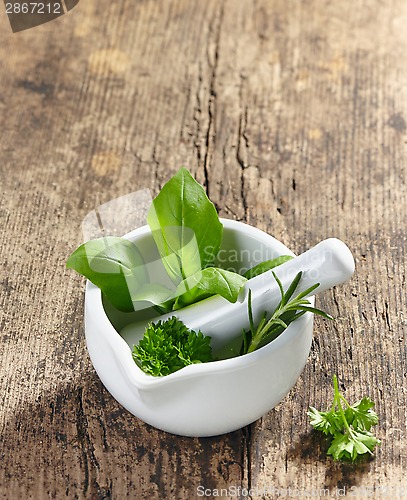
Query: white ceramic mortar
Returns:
{"type": "Point", "coordinates": [203, 399]}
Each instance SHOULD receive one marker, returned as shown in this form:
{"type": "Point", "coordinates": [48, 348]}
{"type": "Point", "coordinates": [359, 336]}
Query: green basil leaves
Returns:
{"type": "Point", "coordinates": [187, 233]}
{"type": "Point", "coordinates": [185, 226]}
{"type": "Point", "coordinates": [114, 265]}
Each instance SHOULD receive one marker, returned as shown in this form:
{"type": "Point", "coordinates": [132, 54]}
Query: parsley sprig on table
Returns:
{"type": "Point", "coordinates": [349, 426]}
{"type": "Point", "coordinates": [167, 346]}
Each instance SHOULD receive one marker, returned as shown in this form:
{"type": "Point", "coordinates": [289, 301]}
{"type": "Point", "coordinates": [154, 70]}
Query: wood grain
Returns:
{"type": "Point", "coordinates": [293, 116]}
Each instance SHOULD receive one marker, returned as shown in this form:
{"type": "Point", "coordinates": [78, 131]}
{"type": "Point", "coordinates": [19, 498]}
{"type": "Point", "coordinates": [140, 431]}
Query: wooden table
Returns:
{"type": "Point", "coordinates": [293, 115]}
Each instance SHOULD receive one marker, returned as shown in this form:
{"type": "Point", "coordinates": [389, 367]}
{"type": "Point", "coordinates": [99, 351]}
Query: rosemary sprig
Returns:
{"type": "Point", "coordinates": [288, 310]}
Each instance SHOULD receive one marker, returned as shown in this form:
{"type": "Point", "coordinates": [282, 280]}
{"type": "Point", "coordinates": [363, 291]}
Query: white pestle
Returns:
{"type": "Point", "coordinates": [329, 263]}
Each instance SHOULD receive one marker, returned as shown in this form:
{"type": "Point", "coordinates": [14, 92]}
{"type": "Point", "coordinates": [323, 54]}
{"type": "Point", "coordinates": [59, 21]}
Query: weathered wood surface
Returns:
{"type": "Point", "coordinates": [293, 115]}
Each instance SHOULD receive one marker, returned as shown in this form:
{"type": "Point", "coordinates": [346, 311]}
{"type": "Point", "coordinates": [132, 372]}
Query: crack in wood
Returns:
{"type": "Point", "coordinates": [240, 161]}
{"type": "Point", "coordinates": [85, 442]}
{"type": "Point", "coordinates": [210, 139]}
{"type": "Point", "coordinates": [196, 115]}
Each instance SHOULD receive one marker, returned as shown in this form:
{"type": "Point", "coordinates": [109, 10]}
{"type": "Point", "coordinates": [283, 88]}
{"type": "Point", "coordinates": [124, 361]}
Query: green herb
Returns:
{"type": "Point", "coordinates": [116, 266]}
{"type": "Point", "coordinates": [207, 282]}
{"type": "Point", "coordinates": [267, 265]}
{"type": "Point", "coordinates": [287, 311]}
{"type": "Point", "coordinates": [349, 426]}
{"type": "Point", "coordinates": [108, 263]}
{"type": "Point", "coordinates": [185, 226]}
{"type": "Point", "coordinates": [168, 346]}
{"type": "Point", "coordinates": [187, 231]}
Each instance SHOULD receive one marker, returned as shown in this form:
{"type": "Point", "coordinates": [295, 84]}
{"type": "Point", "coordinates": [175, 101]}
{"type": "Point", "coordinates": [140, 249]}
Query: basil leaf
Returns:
{"type": "Point", "coordinates": [209, 281]}
{"type": "Point", "coordinates": [266, 266]}
{"type": "Point", "coordinates": [185, 226]}
{"type": "Point", "coordinates": [114, 265]}
{"type": "Point", "coordinates": [190, 297]}
{"type": "Point", "coordinates": [154, 293]}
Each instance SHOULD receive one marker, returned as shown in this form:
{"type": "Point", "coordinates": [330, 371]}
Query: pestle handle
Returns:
{"type": "Point", "coordinates": [329, 263]}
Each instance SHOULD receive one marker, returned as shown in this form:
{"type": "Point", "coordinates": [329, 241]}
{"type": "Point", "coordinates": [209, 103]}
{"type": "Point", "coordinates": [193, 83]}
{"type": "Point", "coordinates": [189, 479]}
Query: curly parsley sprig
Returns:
{"type": "Point", "coordinates": [349, 426]}
{"type": "Point", "coordinates": [167, 346]}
